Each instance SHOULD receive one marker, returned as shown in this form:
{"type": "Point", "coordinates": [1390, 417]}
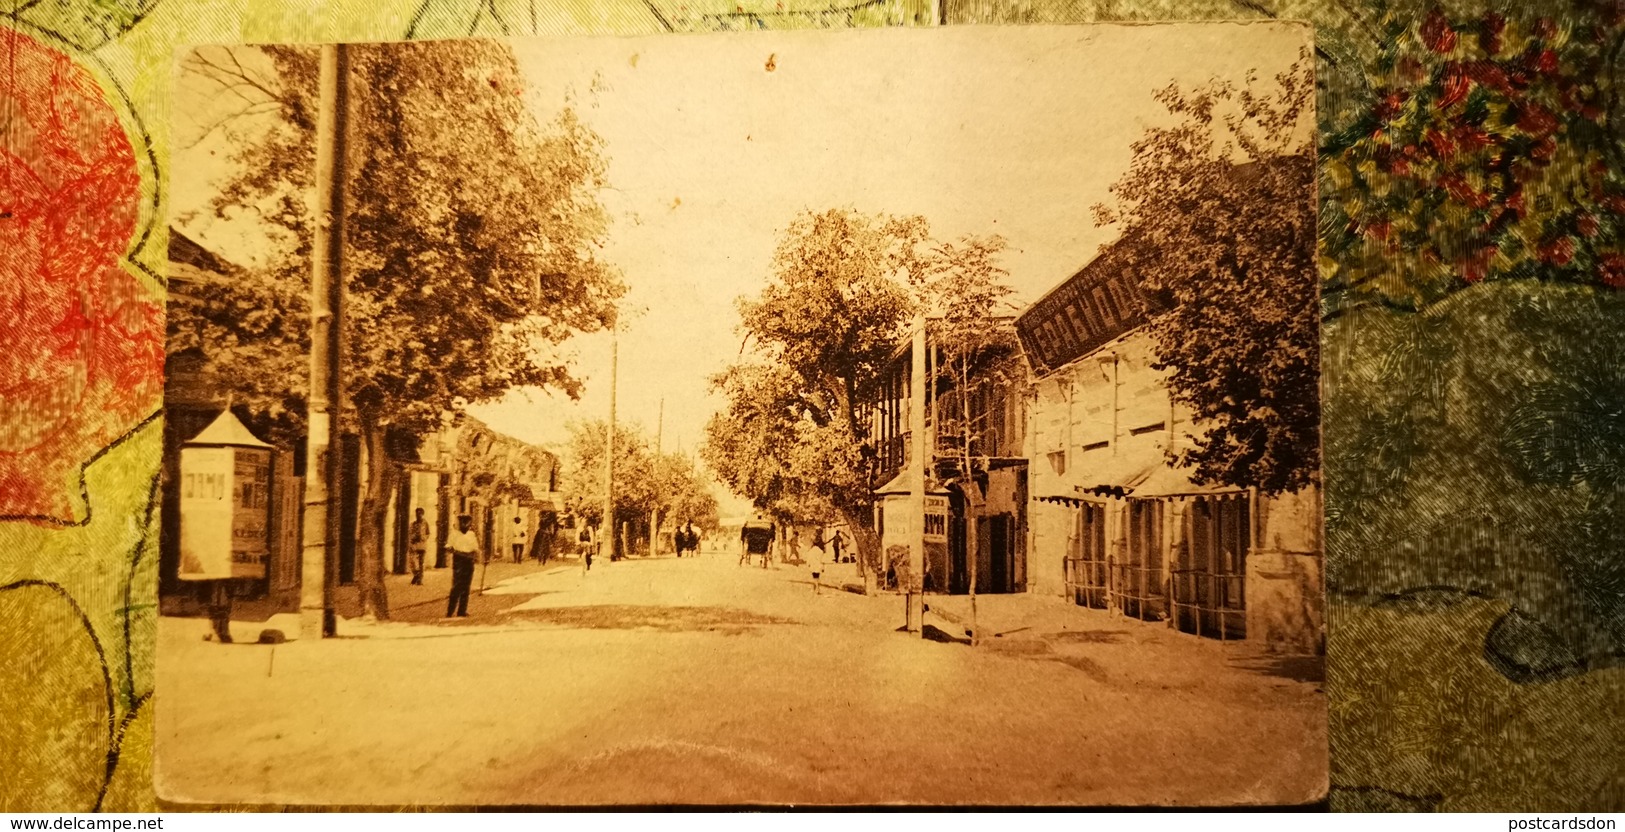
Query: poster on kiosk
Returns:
{"type": "Point", "coordinates": [225, 476]}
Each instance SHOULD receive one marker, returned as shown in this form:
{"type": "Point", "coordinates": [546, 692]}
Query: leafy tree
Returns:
{"type": "Point", "coordinates": [470, 242]}
{"type": "Point", "coordinates": [645, 482]}
{"type": "Point", "coordinates": [1487, 151]}
{"type": "Point", "coordinates": [823, 329]}
{"type": "Point", "coordinates": [964, 289]}
{"type": "Point", "coordinates": [1220, 228]}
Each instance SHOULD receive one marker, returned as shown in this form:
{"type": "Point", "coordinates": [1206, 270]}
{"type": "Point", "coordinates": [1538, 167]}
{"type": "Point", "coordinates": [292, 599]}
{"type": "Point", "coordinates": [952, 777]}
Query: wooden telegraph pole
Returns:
{"type": "Point", "coordinates": [915, 616]}
{"type": "Point", "coordinates": [654, 513]}
{"type": "Point", "coordinates": [323, 462]}
{"type": "Point", "coordinates": [606, 542]}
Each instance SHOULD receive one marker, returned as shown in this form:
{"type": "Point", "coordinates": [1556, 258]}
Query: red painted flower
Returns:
{"type": "Point", "coordinates": [1613, 270]}
{"type": "Point", "coordinates": [84, 342]}
{"type": "Point", "coordinates": [1443, 146]}
{"type": "Point", "coordinates": [1489, 35]}
{"type": "Point", "coordinates": [1477, 266]}
{"type": "Point", "coordinates": [1454, 88]}
{"type": "Point", "coordinates": [1537, 120]}
{"type": "Point", "coordinates": [1437, 34]}
{"type": "Point", "coordinates": [1487, 74]}
{"type": "Point", "coordinates": [1471, 138]}
{"type": "Point", "coordinates": [1458, 189]}
{"type": "Point", "coordinates": [1558, 252]}
{"type": "Point", "coordinates": [1587, 225]}
{"type": "Point", "coordinates": [1516, 204]}
{"type": "Point", "coordinates": [1391, 105]}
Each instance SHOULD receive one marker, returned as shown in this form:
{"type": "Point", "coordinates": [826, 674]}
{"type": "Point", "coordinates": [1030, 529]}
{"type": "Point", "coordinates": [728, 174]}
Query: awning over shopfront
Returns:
{"type": "Point", "coordinates": [1111, 477]}
{"type": "Point", "coordinates": [900, 484]}
{"type": "Point", "coordinates": [1116, 476]}
{"type": "Point", "coordinates": [1175, 483]}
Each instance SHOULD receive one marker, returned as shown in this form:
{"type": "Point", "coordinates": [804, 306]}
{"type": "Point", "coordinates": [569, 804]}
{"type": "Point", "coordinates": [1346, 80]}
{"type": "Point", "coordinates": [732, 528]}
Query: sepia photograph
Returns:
{"type": "Point", "coordinates": [891, 417]}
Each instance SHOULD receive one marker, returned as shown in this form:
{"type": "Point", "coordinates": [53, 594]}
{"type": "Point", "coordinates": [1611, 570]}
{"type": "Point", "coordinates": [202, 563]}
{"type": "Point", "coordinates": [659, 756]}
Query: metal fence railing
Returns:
{"type": "Point", "coordinates": [1210, 605]}
{"type": "Point", "coordinates": [1086, 582]}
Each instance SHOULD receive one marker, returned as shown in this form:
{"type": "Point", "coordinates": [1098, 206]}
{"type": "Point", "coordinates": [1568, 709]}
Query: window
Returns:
{"type": "Point", "coordinates": [1148, 429]}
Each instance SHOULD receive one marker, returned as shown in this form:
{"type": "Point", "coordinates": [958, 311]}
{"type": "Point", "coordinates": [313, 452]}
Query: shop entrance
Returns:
{"type": "Point", "coordinates": [1210, 592]}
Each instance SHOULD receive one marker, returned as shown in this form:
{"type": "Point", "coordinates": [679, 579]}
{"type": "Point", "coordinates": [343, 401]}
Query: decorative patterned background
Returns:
{"type": "Point", "coordinates": [1472, 199]}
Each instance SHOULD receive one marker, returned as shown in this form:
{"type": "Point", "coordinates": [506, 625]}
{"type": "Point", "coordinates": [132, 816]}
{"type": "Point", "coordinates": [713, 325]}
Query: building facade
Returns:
{"type": "Point", "coordinates": [1117, 523]}
{"type": "Point", "coordinates": [979, 418]}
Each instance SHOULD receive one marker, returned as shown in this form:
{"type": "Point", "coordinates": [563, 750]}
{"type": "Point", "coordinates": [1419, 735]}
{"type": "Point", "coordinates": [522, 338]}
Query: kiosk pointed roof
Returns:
{"type": "Point", "coordinates": [227, 430]}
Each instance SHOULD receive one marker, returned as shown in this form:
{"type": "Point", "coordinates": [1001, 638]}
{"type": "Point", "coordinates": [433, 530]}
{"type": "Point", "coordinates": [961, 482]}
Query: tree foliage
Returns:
{"type": "Point", "coordinates": [1219, 227]}
{"type": "Point", "coordinates": [470, 245]}
{"type": "Point", "coordinates": [822, 330]}
{"type": "Point", "coordinates": [645, 481]}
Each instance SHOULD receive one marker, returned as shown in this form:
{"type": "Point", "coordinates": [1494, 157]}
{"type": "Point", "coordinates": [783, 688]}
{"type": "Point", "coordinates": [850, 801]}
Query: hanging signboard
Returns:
{"type": "Point", "coordinates": [1099, 303]}
{"type": "Point", "coordinates": [936, 519]}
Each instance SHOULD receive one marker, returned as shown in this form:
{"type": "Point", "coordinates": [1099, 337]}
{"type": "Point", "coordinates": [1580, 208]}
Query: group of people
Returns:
{"type": "Point", "coordinates": [758, 537]}
{"type": "Point", "coordinates": [687, 539]}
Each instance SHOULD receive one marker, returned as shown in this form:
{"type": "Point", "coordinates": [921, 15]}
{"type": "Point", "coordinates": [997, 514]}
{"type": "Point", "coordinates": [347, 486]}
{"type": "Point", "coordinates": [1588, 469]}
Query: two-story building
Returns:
{"type": "Point", "coordinates": [1116, 522]}
{"type": "Point", "coordinates": [980, 418]}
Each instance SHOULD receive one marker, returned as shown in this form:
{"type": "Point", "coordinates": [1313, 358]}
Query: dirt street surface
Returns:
{"type": "Point", "coordinates": [696, 680]}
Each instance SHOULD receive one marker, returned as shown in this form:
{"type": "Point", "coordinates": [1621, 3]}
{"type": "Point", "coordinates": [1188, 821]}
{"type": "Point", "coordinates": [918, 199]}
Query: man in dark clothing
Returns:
{"type": "Point", "coordinates": [417, 547]}
{"type": "Point", "coordinates": [465, 547]}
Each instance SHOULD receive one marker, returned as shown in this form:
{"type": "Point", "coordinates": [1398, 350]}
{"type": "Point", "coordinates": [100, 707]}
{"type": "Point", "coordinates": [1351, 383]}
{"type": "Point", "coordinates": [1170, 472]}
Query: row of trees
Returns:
{"type": "Point", "coordinates": [668, 487]}
{"type": "Point", "coordinates": [472, 233]}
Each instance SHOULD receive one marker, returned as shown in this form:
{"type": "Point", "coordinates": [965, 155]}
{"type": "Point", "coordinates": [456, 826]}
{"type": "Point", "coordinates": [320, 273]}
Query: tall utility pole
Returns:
{"type": "Point", "coordinates": [915, 617]}
{"type": "Point", "coordinates": [654, 513]}
{"type": "Point", "coordinates": [319, 565]}
{"type": "Point", "coordinates": [607, 538]}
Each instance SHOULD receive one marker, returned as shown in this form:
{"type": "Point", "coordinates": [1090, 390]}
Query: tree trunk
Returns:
{"type": "Point", "coordinates": [374, 513]}
{"type": "Point", "coordinates": [865, 544]}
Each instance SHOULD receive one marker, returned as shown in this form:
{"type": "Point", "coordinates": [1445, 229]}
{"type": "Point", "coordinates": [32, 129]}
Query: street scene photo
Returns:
{"type": "Point", "coordinates": [919, 417]}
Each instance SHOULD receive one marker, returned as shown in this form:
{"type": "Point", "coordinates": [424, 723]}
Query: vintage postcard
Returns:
{"type": "Point", "coordinates": [839, 418]}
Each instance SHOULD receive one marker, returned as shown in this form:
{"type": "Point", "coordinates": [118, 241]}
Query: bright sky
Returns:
{"type": "Point", "coordinates": [715, 142]}
{"type": "Point", "coordinates": [1016, 131]}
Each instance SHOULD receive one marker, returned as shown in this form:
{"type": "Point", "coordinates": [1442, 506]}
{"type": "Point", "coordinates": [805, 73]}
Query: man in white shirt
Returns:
{"type": "Point", "coordinates": [465, 548]}
{"type": "Point", "coordinates": [519, 532]}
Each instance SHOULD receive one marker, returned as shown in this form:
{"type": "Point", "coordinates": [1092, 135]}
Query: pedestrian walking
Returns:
{"type": "Point", "coordinates": [836, 544]}
{"type": "Point", "coordinates": [817, 556]}
{"type": "Point", "coordinates": [417, 545]}
{"type": "Point", "coordinates": [584, 539]}
{"type": "Point", "coordinates": [518, 539]}
{"type": "Point", "coordinates": [465, 547]}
